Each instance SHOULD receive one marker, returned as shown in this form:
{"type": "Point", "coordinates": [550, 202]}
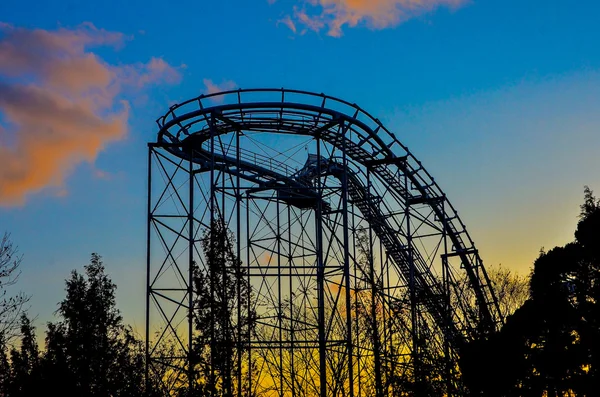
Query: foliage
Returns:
{"type": "Point", "coordinates": [89, 351]}
{"type": "Point", "coordinates": [25, 370]}
{"type": "Point", "coordinates": [98, 352]}
{"type": "Point", "coordinates": [549, 346]}
{"type": "Point", "coordinates": [590, 203]}
{"type": "Point", "coordinates": [5, 372]}
{"type": "Point", "coordinates": [512, 289]}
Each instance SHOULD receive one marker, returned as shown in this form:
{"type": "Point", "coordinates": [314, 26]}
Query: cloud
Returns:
{"type": "Point", "coordinates": [287, 21]}
{"type": "Point", "coordinates": [61, 104]}
{"type": "Point", "coordinates": [333, 15]}
{"type": "Point", "coordinates": [211, 88]}
{"type": "Point", "coordinates": [156, 70]}
{"type": "Point", "coordinates": [100, 174]}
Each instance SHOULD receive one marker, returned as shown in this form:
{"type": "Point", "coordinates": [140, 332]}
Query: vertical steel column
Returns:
{"type": "Point", "coordinates": [212, 249]}
{"type": "Point", "coordinates": [388, 314]}
{"type": "Point", "coordinates": [191, 246]}
{"type": "Point", "coordinates": [249, 335]}
{"type": "Point", "coordinates": [226, 318]}
{"type": "Point", "coordinates": [320, 278]}
{"type": "Point", "coordinates": [376, 341]}
{"type": "Point", "coordinates": [413, 295]}
{"type": "Point", "coordinates": [238, 201]}
{"type": "Point", "coordinates": [279, 306]}
{"type": "Point", "coordinates": [290, 264]}
{"type": "Point", "coordinates": [148, 260]}
{"type": "Point", "coordinates": [349, 350]}
{"type": "Point", "coordinates": [447, 305]}
{"type": "Point", "coordinates": [356, 305]}
{"type": "Point", "coordinates": [384, 307]}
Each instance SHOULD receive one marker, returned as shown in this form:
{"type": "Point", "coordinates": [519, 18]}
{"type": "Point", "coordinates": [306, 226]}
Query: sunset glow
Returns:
{"type": "Point", "coordinates": [492, 106]}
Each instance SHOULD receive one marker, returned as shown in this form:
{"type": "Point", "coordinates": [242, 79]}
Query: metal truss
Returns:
{"type": "Point", "coordinates": [353, 274]}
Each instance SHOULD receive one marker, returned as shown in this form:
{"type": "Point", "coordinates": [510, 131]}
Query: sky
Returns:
{"type": "Point", "coordinates": [498, 99]}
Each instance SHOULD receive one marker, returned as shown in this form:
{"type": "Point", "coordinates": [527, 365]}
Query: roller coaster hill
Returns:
{"type": "Point", "coordinates": [360, 278]}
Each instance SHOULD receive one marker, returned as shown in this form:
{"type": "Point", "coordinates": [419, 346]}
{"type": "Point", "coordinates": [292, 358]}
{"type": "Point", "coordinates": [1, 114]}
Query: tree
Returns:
{"type": "Point", "coordinates": [90, 351]}
{"type": "Point", "coordinates": [11, 307]}
{"type": "Point", "coordinates": [5, 370]}
{"type": "Point", "coordinates": [551, 341]}
{"type": "Point", "coordinates": [25, 373]}
{"type": "Point", "coordinates": [511, 288]}
{"type": "Point", "coordinates": [55, 364]}
{"type": "Point", "coordinates": [223, 316]}
{"type": "Point", "coordinates": [590, 203]}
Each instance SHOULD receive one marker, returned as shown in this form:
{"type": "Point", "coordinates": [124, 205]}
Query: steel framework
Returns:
{"type": "Point", "coordinates": [297, 248]}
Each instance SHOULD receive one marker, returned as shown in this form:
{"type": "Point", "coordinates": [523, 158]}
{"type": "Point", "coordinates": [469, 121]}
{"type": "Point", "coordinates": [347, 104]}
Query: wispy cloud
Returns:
{"type": "Point", "coordinates": [212, 88]}
{"type": "Point", "coordinates": [61, 104]}
{"type": "Point", "coordinates": [334, 15]}
{"type": "Point", "coordinates": [287, 21]}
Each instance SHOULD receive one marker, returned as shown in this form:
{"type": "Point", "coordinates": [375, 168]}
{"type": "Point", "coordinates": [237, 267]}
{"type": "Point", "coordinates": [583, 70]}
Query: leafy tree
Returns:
{"type": "Point", "coordinates": [25, 374]}
{"type": "Point", "coordinates": [5, 369]}
{"type": "Point", "coordinates": [590, 203]}
{"type": "Point", "coordinates": [549, 346]}
{"type": "Point", "coordinates": [55, 364]}
{"type": "Point", "coordinates": [222, 312]}
{"type": "Point", "coordinates": [90, 351]}
{"type": "Point", "coordinates": [11, 307]}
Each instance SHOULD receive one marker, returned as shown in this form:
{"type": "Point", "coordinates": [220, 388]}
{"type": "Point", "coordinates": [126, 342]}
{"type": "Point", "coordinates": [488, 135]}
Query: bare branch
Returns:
{"type": "Point", "coordinates": [11, 307]}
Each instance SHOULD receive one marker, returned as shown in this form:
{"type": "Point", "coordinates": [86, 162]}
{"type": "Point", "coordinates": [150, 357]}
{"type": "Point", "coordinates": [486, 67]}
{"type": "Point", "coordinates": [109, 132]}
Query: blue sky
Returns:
{"type": "Point", "coordinates": [498, 99]}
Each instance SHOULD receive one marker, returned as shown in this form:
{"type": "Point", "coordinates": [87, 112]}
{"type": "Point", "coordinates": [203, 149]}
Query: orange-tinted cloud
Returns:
{"type": "Point", "coordinates": [61, 104]}
{"type": "Point", "coordinates": [287, 21]}
{"type": "Point", "coordinates": [332, 15]}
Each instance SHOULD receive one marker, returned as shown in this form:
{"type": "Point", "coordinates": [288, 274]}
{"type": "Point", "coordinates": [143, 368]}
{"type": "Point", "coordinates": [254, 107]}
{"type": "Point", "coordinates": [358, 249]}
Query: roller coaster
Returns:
{"type": "Point", "coordinates": [362, 278]}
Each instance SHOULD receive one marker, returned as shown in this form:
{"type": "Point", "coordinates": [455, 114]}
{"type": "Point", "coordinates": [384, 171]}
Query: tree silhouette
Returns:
{"type": "Point", "coordinates": [223, 317]}
{"type": "Point", "coordinates": [25, 375]}
{"type": "Point", "coordinates": [90, 351]}
{"type": "Point", "coordinates": [512, 289]}
{"type": "Point", "coordinates": [549, 346]}
{"type": "Point", "coordinates": [5, 369]}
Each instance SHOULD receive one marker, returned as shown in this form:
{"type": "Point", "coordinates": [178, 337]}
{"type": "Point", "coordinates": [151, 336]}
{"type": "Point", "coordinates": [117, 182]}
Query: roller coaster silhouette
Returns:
{"type": "Point", "coordinates": [364, 279]}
